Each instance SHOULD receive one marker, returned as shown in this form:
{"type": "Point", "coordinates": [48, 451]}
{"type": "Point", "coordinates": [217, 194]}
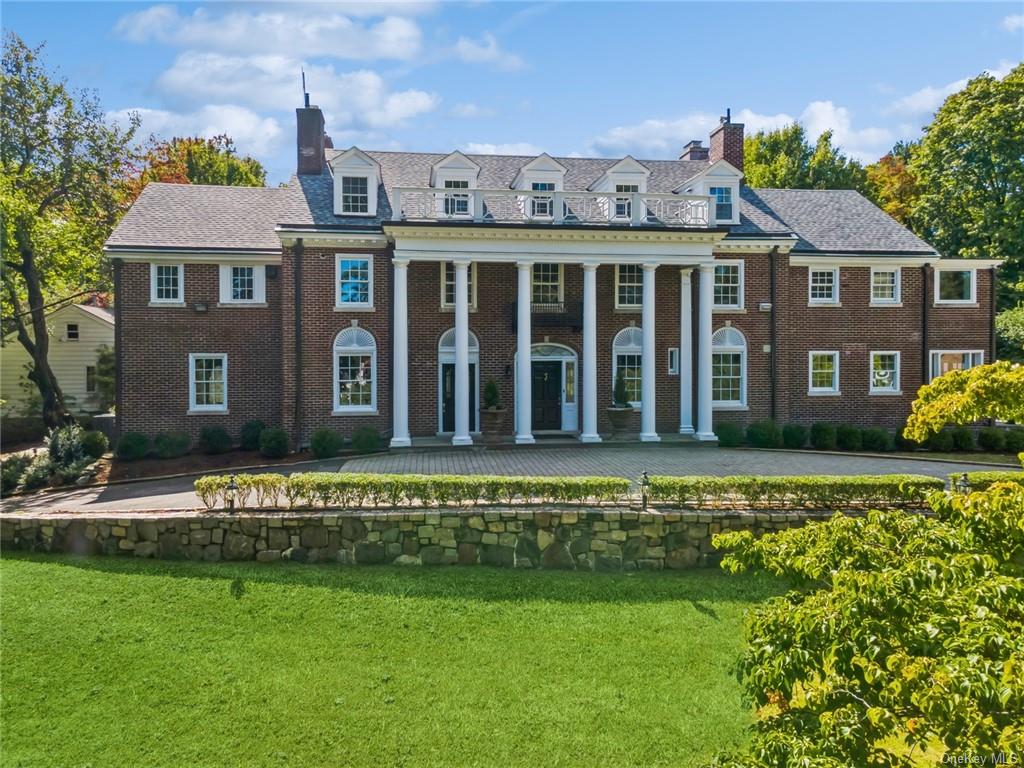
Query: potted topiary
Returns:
{"type": "Point", "coordinates": [492, 415]}
{"type": "Point", "coordinates": [620, 412]}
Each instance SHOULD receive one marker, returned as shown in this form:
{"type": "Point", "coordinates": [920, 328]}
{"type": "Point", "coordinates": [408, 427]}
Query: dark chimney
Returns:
{"type": "Point", "coordinates": [310, 140]}
{"type": "Point", "coordinates": [694, 151]}
{"type": "Point", "coordinates": [727, 142]}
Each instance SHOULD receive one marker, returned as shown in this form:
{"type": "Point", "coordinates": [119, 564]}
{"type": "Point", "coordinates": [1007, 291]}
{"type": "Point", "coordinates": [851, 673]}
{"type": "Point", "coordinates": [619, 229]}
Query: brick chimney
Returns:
{"type": "Point", "coordinates": [727, 142]}
{"type": "Point", "coordinates": [310, 139]}
{"type": "Point", "coordinates": [694, 151]}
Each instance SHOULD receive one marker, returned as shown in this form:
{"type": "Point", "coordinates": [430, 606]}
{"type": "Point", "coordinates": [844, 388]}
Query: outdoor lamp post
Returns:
{"type": "Point", "coordinates": [963, 484]}
{"type": "Point", "coordinates": [645, 484]}
{"type": "Point", "coordinates": [232, 491]}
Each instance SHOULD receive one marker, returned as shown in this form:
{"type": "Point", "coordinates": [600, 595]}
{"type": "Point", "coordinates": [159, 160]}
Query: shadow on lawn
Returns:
{"type": "Point", "coordinates": [702, 588]}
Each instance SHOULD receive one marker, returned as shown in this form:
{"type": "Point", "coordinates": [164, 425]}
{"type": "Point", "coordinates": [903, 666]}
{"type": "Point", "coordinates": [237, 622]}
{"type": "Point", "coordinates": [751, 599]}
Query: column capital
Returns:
{"type": "Point", "coordinates": [462, 263]}
{"type": "Point", "coordinates": [686, 272]}
{"type": "Point", "coordinates": [400, 263]}
{"type": "Point", "coordinates": [649, 266]}
{"type": "Point", "coordinates": [524, 265]}
{"type": "Point", "coordinates": [707, 269]}
{"type": "Point", "coordinates": [589, 266]}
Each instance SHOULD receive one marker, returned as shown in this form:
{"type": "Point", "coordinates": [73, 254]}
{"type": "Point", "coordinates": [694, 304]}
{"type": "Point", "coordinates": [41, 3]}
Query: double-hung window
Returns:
{"type": "Point", "coordinates": [624, 205]}
{"type": "Point", "coordinates": [547, 283]}
{"type": "Point", "coordinates": [943, 361]}
{"type": "Point", "coordinates": [208, 382]}
{"type": "Point", "coordinates": [629, 286]}
{"type": "Point", "coordinates": [823, 372]}
{"type": "Point", "coordinates": [728, 288]}
{"type": "Point", "coordinates": [885, 373]}
{"type": "Point", "coordinates": [456, 203]}
{"type": "Point", "coordinates": [955, 286]}
{"type": "Point", "coordinates": [166, 283]}
{"type": "Point", "coordinates": [448, 285]}
{"type": "Point", "coordinates": [823, 286]}
{"type": "Point", "coordinates": [627, 362]}
{"type": "Point", "coordinates": [723, 202]}
{"type": "Point", "coordinates": [353, 281]}
{"type": "Point", "coordinates": [885, 286]}
{"type": "Point", "coordinates": [242, 283]}
{"type": "Point", "coordinates": [728, 369]}
{"type": "Point", "coordinates": [542, 206]}
{"type": "Point", "coordinates": [71, 332]}
{"type": "Point", "coordinates": [355, 194]}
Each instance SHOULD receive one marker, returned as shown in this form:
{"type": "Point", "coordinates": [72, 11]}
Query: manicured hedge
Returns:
{"type": "Point", "coordinates": [333, 489]}
{"type": "Point", "coordinates": [816, 491]}
{"type": "Point", "coordinates": [979, 481]}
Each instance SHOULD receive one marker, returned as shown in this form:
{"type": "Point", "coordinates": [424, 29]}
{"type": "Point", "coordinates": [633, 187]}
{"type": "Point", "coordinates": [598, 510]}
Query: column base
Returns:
{"type": "Point", "coordinates": [590, 438]}
{"type": "Point", "coordinates": [708, 437]}
{"type": "Point", "coordinates": [649, 437]}
{"type": "Point", "coordinates": [462, 440]}
{"type": "Point", "coordinates": [686, 430]}
{"type": "Point", "coordinates": [401, 442]}
{"type": "Point", "coordinates": [525, 440]}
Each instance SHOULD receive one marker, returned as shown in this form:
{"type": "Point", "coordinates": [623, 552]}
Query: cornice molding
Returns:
{"type": "Point", "coordinates": [406, 232]}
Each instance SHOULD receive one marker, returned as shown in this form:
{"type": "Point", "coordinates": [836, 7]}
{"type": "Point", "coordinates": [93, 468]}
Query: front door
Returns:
{"type": "Point", "coordinates": [547, 394]}
{"type": "Point", "coordinates": [448, 397]}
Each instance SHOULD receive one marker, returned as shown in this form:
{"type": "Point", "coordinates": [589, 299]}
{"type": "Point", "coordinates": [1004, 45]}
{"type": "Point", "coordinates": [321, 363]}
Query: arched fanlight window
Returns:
{"type": "Point", "coordinates": [728, 368]}
{"type": "Point", "coordinates": [627, 357]}
{"type": "Point", "coordinates": [447, 342]}
{"type": "Point", "coordinates": [355, 371]}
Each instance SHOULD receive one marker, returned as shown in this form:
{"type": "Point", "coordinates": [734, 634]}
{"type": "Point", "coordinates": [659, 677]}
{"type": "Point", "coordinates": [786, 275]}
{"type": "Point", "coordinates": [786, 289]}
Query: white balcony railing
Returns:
{"type": "Point", "coordinates": [519, 206]}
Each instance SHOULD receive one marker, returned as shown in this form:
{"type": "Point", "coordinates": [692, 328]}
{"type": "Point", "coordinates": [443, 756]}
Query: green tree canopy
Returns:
{"type": "Point", "coordinates": [785, 159]}
{"type": "Point", "coordinates": [194, 160]}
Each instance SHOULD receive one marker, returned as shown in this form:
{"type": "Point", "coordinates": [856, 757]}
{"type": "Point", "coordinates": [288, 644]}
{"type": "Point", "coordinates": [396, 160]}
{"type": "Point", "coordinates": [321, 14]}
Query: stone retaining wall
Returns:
{"type": "Point", "coordinates": [604, 539]}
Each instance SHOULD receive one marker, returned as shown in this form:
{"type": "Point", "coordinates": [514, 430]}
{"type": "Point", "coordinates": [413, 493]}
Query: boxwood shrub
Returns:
{"type": "Point", "coordinates": [848, 438]}
{"type": "Point", "coordinates": [132, 446]}
{"type": "Point", "coordinates": [991, 439]}
{"type": "Point", "coordinates": [366, 440]}
{"type": "Point", "coordinates": [764, 434]}
{"type": "Point", "coordinates": [274, 442]}
{"type": "Point", "coordinates": [249, 437]}
{"type": "Point", "coordinates": [876, 439]}
{"type": "Point", "coordinates": [794, 436]}
{"type": "Point", "coordinates": [941, 442]}
{"type": "Point", "coordinates": [963, 439]}
{"type": "Point", "coordinates": [171, 445]}
{"type": "Point", "coordinates": [729, 435]}
{"type": "Point", "coordinates": [215, 440]}
{"type": "Point", "coordinates": [1015, 440]}
{"type": "Point", "coordinates": [95, 444]}
{"type": "Point", "coordinates": [823, 437]}
{"type": "Point", "coordinates": [326, 443]}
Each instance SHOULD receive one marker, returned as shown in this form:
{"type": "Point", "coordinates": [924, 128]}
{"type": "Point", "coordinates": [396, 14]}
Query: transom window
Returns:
{"type": "Point", "coordinates": [629, 285]}
{"type": "Point", "coordinates": [542, 206]}
{"type": "Point", "coordinates": [547, 283]}
{"type": "Point", "coordinates": [728, 289]}
{"type": "Point", "coordinates": [723, 202]}
{"type": "Point", "coordinates": [627, 358]}
{"type": "Point", "coordinates": [954, 286]}
{"type": "Point", "coordinates": [355, 371]}
{"type": "Point", "coordinates": [71, 332]}
{"type": "Point", "coordinates": [354, 280]}
{"type": "Point", "coordinates": [885, 372]}
{"type": "Point", "coordinates": [355, 194]}
{"type": "Point", "coordinates": [448, 284]}
{"type": "Point", "coordinates": [728, 368]}
{"type": "Point", "coordinates": [823, 286]}
{"type": "Point", "coordinates": [208, 382]}
{"type": "Point", "coordinates": [944, 361]}
{"type": "Point", "coordinates": [823, 372]}
{"type": "Point", "coordinates": [885, 286]}
{"type": "Point", "coordinates": [456, 203]}
{"type": "Point", "coordinates": [167, 283]}
{"type": "Point", "coordinates": [624, 205]}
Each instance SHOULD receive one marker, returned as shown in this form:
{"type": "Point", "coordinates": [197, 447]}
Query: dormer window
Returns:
{"type": "Point", "coordinates": [355, 194]}
{"type": "Point", "coordinates": [542, 206]}
{"type": "Point", "coordinates": [456, 204]}
{"type": "Point", "coordinates": [624, 205]}
{"type": "Point", "coordinates": [356, 179]}
{"type": "Point", "coordinates": [723, 202]}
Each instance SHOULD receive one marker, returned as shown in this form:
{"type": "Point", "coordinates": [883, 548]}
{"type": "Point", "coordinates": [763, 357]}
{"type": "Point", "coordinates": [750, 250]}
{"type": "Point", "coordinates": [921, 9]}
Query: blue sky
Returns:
{"type": "Point", "coordinates": [567, 78]}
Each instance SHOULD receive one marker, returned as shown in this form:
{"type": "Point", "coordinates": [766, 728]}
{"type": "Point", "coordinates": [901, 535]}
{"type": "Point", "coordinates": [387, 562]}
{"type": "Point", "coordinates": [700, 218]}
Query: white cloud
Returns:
{"type": "Point", "coordinates": [470, 110]}
{"type": "Point", "coordinates": [864, 144]}
{"type": "Point", "coordinates": [514, 148]}
{"type": "Point", "coordinates": [252, 133]}
{"type": "Point", "coordinates": [487, 51]}
{"type": "Point", "coordinates": [1013, 22]}
{"type": "Point", "coordinates": [316, 31]}
{"type": "Point", "coordinates": [930, 98]}
{"type": "Point", "coordinates": [359, 98]}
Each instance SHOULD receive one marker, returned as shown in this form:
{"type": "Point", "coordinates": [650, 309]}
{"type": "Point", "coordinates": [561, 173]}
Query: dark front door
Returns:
{"type": "Point", "coordinates": [547, 394]}
{"type": "Point", "coordinates": [448, 397]}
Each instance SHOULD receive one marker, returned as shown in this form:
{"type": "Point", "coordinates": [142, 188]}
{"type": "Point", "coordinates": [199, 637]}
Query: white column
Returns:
{"type": "Point", "coordinates": [524, 368]}
{"type": "Point", "coordinates": [685, 353]}
{"type": "Point", "coordinates": [461, 436]}
{"type": "Point", "coordinates": [707, 281]}
{"type": "Point", "coordinates": [648, 361]}
{"type": "Point", "coordinates": [589, 433]}
{"type": "Point", "coordinates": [400, 357]}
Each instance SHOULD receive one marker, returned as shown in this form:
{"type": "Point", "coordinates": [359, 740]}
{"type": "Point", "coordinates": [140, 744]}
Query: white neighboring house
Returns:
{"type": "Point", "coordinates": [77, 332]}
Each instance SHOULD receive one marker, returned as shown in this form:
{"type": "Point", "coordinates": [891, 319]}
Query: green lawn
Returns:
{"type": "Point", "coordinates": [125, 663]}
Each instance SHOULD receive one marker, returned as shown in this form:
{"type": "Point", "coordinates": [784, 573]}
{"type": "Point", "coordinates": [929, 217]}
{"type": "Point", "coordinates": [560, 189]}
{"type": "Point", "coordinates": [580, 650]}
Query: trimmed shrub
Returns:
{"type": "Point", "coordinates": [214, 440]}
{"type": "Point", "coordinates": [326, 443]}
{"type": "Point", "coordinates": [95, 444]}
{"type": "Point", "coordinates": [941, 442]}
{"type": "Point", "coordinates": [366, 440]}
{"type": "Point", "coordinates": [876, 439]}
{"type": "Point", "coordinates": [823, 437]}
{"type": "Point", "coordinates": [991, 439]}
{"type": "Point", "coordinates": [12, 470]}
{"type": "Point", "coordinates": [905, 443]}
{"type": "Point", "coordinates": [848, 438]}
{"type": "Point", "coordinates": [249, 438]}
{"type": "Point", "coordinates": [980, 481]}
{"type": "Point", "coordinates": [1015, 440]}
{"type": "Point", "coordinates": [729, 435]}
{"type": "Point", "coordinates": [64, 445]}
{"type": "Point", "coordinates": [132, 446]}
{"type": "Point", "coordinates": [274, 442]}
{"type": "Point", "coordinates": [68, 474]}
{"type": "Point", "coordinates": [764, 434]}
{"type": "Point", "coordinates": [171, 445]}
{"type": "Point", "coordinates": [963, 439]}
{"type": "Point", "coordinates": [818, 492]}
{"type": "Point", "coordinates": [38, 472]}
{"type": "Point", "coordinates": [794, 436]}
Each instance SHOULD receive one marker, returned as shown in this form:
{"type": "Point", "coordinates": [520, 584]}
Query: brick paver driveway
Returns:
{"type": "Point", "coordinates": [620, 460]}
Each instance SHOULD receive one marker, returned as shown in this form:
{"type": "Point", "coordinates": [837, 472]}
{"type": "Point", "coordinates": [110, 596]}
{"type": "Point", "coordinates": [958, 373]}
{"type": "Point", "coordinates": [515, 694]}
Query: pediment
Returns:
{"type": "Point", "coordinates": [720, 170]}
{"type": "Point", "coordinates": [541, 168]}
{"type": "Point", "coordinates": [354, 157]}
{"type": "Point", "coordinates": [456, 162]}
{"type": "Point", "coordinates": [627, 168]}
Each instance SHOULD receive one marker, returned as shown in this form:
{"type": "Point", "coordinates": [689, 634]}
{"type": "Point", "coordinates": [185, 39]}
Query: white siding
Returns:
{"type": "Point", "coordinates": [67, 358]}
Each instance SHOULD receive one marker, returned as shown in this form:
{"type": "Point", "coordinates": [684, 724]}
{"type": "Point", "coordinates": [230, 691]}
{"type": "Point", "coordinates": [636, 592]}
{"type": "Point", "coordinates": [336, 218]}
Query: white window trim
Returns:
{"type": "Point", "coordinates": [872, 389]}
{"type": "Point", "coordinates": [193, 407]}
{"type": "Point", "coordinates": [933, 353]}
{"type": "Point", "coordinates": [371, 192]}
{"type": "Point", "coordinates": [673, 365]}
{"type": "Point", "coordinates": [259, 289]}
{"type": "Point", "coordinates": [561, 281]}
{"type": "Point", "coordinates": [834, 301]}
{"type": "Point", "coordinates": [732, 405]}
{"type": "Point", "coordinates": [67, 332]}
{"type": "Point", "coordinates": [734, 187]}
{"type": "Point", "coordinates": [897, 300]}
{"type": "Point", "coordinates": [473, 283]}
{"type": "Point", "coordinates": [811, 389]}
{"type": "Point", "coordinates": [354, 410]}
{"type": "Point", "coordinates": [350, 306]}
{"type": "Point", "coordinates": [626, 306]}
{"type": "Point", "coordinates": [178, 302]}
{"type": "Point", "coordinates": [742, 292]}
{"type": "Point", "coordinates": [958, 302]}
{"type": "Point", "coordinates": [627, 350]}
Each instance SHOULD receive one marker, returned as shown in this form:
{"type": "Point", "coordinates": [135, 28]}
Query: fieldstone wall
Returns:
{"type": "Point", "coordinates": [602, 539]}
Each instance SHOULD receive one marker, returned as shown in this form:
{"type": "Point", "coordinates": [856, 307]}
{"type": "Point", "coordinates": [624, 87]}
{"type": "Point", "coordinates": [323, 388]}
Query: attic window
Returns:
{"type": "Point", "coordinates": [723, 202]}
{"type": "Point", "coordinates": [624, 205]}
{"type": "Point", "coordinates": [456, 203]}
{"type": "Point", "coordinates": [355, 195]}
{"type": "Point", "coordinates": [71, 333]}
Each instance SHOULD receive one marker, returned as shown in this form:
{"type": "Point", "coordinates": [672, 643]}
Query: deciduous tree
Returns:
{"type": "Point", "coordinates": [892, 186]}
{"type": "Point", "coordinates": [194, 160]}
{"type": "Point", "coordinates": [785, 159]}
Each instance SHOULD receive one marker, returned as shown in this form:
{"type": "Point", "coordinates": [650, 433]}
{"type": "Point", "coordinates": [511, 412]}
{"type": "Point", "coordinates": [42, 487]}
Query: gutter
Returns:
{"type": "Point", "coordinates": [297, 294]}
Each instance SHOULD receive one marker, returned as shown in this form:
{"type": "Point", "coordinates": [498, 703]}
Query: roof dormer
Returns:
{"type": "Point", "coordinates": [543, 169]}
{"type": "Point", "coordinates": [625, 173]}
{"type": "Point", "coordinates": [454, 167]}
{"type": "Point", "coordinates": [722, 180]}
{"type": "Point", "coordinates": [356, 181]}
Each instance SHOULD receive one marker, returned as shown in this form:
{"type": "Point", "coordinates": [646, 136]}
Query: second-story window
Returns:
{"type": "Point", "coordinates": [354, 281]}
{"type": "Point", "coordinates": [885, 286]}
{"type": "Point", "coordinates": [542, 206]}
{"type": "Point", "coordinates": [624, 205]}
{"type": "Point", "coordinates": [629, 285]}
{"type": "Point", "coordinates": [71, 332]}
{"type": "Point", "coordinates": [167, 283]}
{"type": "Point", "coordinates": [456, 203]}
{"type": "Point", "coordinates": [823, 286]}
{"type": "Point", "coordinates": [728, 292]}
{"type": "Point", "coordinates": [355, 194]}
{"type": "Point", "coordinates": [547, 283]}
{"type": "Point", "coordinates": [448, 286]}
{"type": "Point", "coordinates": [723, 202]}
{"type": "Point", "coordinates": [954, 286]}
